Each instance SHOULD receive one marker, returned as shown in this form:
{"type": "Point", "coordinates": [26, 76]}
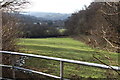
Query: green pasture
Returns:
{"type": "Point", "coordinates": [67, 48]}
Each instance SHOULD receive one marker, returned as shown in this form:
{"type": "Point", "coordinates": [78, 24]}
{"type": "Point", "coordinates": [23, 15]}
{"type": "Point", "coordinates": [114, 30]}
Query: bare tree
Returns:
{"type": "Point", "coordinates": [10, 23]}
{"type": "Point", "coordinates": [13, 5]}
{"type": "Point", "coordinates": [112, 17]}
{"type": "Point", "coordinates": [9, 29]}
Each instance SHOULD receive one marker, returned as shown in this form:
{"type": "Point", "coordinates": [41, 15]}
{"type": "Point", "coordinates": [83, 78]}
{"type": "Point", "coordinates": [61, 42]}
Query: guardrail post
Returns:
{"type": "Point", "coordinates": [13, 64]}
{"type": "Point", "coordinates": [61, 70]}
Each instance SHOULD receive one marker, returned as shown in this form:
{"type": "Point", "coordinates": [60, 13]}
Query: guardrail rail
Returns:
{"type": "Point", "coordinates": [56, 59]}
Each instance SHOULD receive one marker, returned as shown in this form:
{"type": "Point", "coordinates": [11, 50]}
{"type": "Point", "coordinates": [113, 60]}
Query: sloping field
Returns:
{"type": "Point", "coordinates": [67, 48]}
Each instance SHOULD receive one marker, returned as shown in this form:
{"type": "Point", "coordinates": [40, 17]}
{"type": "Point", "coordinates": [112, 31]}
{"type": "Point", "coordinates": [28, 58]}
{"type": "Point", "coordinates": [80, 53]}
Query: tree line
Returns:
{"type": "Point", "coordinates": [33, 27]}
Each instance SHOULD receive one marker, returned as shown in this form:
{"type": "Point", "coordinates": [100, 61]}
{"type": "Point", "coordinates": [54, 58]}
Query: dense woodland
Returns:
{"type": "Point", "coordinates": [98, 25]}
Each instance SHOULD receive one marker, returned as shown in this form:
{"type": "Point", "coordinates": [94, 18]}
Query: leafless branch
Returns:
{"type": "Point", "coordinates": [110, 14]}
{"type": "Point", "coordinates": [13, 4]}
{"type": "Point", "coordinates": [105, 63]}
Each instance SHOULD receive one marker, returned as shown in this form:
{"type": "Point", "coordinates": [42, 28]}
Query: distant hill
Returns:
{"type": "Point", "coordinates": [49, 16]}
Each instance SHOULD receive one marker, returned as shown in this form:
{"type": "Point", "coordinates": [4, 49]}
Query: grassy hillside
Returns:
{"type": "Point", "coordinates": [67, 48]}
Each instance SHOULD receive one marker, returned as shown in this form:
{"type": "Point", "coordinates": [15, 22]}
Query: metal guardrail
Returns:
{"type": "Point", "coordinates": [29, 70]}
{"type": "Point", "coordinates": [56, 59]}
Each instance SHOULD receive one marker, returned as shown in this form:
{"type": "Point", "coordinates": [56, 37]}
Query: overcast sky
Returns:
{"type": "Point", "coordinates": [58, 6]}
